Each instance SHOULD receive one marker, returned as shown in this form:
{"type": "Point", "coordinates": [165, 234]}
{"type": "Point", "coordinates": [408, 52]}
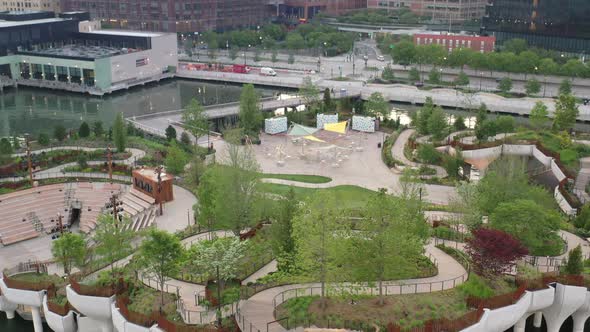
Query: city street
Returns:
{"type": "Point", "coordinates": [354, 68]}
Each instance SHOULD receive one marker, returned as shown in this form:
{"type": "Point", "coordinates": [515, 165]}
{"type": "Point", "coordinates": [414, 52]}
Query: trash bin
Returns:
{"type": "Point", "coordinates": [379, 145]}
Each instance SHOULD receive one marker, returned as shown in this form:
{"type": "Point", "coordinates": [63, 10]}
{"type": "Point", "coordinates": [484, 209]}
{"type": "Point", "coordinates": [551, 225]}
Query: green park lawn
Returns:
{"type": "Point", "coordinates": [351, 197]}
{"type": "Point", "coordinates": [299, 178]}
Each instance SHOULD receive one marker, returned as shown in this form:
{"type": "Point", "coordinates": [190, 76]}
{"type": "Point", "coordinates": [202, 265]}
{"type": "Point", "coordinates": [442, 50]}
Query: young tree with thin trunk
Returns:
{"type": "Point", "coordinates": [160, 254]}
{"type": "Point", "coordinates": [566, 113]}
{"type": "Point", "coordinates": [575, 263]}
{"type": "Point", "coordinates": [112, 238]}
{"type": "Point", "coordinates": [230, 194]}
{"type": "Point", "coordinates": [194, 119]}
{"type": "Point", "coordinates": [539, 116]}
{"type": "Point", "coordinates": [250, 112]}
{"type": "Point", "coordinates": [388, 242]}
{"type": "Point", "coordinates": [377, 105]}
{"type": "Point", "coordinates": [69, 251]}
{"type": "Point", "coordinates": [315, 233]}
{"type": "Point", "coordinates": [120, 133]}
{"type": "Point", "coordinates": [218, 259]}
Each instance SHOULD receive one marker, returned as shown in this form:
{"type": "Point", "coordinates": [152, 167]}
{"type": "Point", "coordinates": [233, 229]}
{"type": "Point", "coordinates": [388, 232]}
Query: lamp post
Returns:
{"type": "Point", "coordinates": [110, 162]}
{"type": "Point", "coordinates": [158, 171]}
{"type": "Point", "coordinates": [29, 162]}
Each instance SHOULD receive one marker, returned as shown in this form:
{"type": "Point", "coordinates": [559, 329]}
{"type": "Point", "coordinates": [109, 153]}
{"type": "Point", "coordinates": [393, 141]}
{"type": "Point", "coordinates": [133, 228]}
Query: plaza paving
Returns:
{"type": "Point", "coordinates": [363, 168]}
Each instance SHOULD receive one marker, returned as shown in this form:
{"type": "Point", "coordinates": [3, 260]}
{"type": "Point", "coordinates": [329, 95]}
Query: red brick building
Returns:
{"type": "Point", "coordinates": [451, 42]}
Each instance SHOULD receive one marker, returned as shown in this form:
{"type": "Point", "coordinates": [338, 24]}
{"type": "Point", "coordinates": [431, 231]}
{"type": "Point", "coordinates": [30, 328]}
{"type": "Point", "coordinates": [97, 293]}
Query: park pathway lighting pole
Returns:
{"type": "Point", "coordinates": [159, 173]}
{"type": "Point", "coordinates": [110, 162]}
{"type": "Point", "coordinates": [29, 162]}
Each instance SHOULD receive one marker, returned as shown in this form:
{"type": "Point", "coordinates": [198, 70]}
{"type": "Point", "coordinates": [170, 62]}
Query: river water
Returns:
{"type": "Point", "coordinates": [31, 111]}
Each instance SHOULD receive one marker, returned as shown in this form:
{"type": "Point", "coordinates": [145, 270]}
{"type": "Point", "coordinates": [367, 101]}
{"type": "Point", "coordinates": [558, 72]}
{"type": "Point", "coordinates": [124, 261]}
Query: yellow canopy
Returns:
{"type": "Point", "coordinates": [313, 138]}
{"type": "Point", "coordinates": [339, 127]}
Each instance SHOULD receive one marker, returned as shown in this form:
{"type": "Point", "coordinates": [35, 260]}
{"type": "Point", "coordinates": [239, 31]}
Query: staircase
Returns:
{"type": "Point", "coordinates": [37, 225]}
{"type": "Point", "coordinates": [139, 208]}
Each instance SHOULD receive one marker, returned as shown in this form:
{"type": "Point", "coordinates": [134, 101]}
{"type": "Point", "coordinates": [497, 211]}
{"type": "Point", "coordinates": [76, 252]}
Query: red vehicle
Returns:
{"type": "Point", "coordinates": [241, 69]}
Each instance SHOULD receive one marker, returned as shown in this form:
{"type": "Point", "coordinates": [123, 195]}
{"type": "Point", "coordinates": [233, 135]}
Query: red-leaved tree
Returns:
{"type": "Point", "coordinates": [493, 252]}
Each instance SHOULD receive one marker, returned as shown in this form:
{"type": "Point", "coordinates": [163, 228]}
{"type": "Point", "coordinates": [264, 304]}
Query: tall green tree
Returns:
{"type": "Point", "coordinates": [404, 52]}
{"type": "Point", "coordinates": [423, 116]}
{"type": "Point", "coordinates": [573, 68]}
{"type": "Point", "coordinates": [434, 76]}
{"type": "Point", "coordinates": [315, 229]}
{"type": "Point", "coordinates": [505, 124]}
{"type": "Point", "coordinates": [84, 130]}
{"type": "Point", "coordinates": [539, 116]}
{"type": "Point", "coordinates": [575, 263]}
{"type": "Point", "coordinates": [462, 79]}
{"type": "Point", "coordinates": [531, 223]}
{"type": "Point", "coordinates": [547, 67]}
{"type": "Point", "coordinates": [532, 87]}
{"type": "Point", "coordinates": [219, 259]}
{"type": "Point", "coordinates": [59, 133]}
{"type": "Point", "coordinates": [160, 255]}
{"type": "Point", "coordinates": [69, 251]}
{"type": "Point", "coordinates": [328, 106]}
{"type": "Point", "coordinates": [389, 241]}
{"type": "Point", "coordinates": [566, 113]}
{"type": "Point", "coordinates": [309, 92]}
{"type": "Point", "coordinates": [250, 112]}
{"type": "Point", "coordinates": [377, 105]}
{"type": "Point", "coordinates": [388, 74]}
{"type": "Point", "coordinates": [516, 45]}
{"type": "Point", "coordinates": [98, 129]}
{"type": "Point", "coordinates": [112, 237]}
{"type": "Point", "coordinates": [505, 85]}
{"type": "Point", "coordinates": [414, 74]}
{"type": "Point", "coordinates": [171, 133]}
{"type": "Point", "coordinates": [120, 133]}
{"type": "Point", "coordinates": [437, 124]}
{"type": "Point", "coordinates": [194, 119]}
{"type": "Point", "coordinates": [565, 88]}
{"type": "Point", "coordinates": [459, 123]}
{"type": "Point", "coordinates": [176, 159]}
{"type": "Point", "coordinates": [230, 194]}
{"type": "Point", "coordinates": [282, 228]}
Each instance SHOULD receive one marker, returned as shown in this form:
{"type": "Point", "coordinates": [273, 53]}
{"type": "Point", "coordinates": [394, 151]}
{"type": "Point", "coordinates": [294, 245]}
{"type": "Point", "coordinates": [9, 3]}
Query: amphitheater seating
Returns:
{"type": "Point", "coordinates": [26, 212]}
{"type": "Point", "coordinates": [32, 212]}
{"type": "Point", "coordinates": [93, 197]}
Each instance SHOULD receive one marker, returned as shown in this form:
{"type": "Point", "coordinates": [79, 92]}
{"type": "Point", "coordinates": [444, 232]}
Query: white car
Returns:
{"type": "Point", "coordinates": [266, 71]}
{"type": "Point", "coordinates": [380, 58]}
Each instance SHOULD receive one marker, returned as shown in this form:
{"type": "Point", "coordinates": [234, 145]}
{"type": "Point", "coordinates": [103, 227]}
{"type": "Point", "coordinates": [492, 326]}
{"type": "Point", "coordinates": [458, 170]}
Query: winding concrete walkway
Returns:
{"type": "Point", "coordinates": [398, 153]}
{"type": "Point", "coordinates": [57, 171]}
{"type": "Point", "coordinates": [259, 309]}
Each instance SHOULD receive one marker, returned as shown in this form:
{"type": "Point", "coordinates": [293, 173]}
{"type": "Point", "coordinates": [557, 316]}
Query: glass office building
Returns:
{"type": "Point", "coordinates": [562, 25]}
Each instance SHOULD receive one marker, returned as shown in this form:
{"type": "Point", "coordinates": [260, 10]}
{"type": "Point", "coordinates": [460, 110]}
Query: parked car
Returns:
{"type": "Point", "coordinates": [380, 58]}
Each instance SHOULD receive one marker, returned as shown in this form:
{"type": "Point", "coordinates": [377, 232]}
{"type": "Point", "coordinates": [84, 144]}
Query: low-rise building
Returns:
{"type": "Point", "coordinates": [481, 44]}
{"type": "Point", "coordinates": [69, 53]}
{"type": "Point", "coordinates": [437, 10]}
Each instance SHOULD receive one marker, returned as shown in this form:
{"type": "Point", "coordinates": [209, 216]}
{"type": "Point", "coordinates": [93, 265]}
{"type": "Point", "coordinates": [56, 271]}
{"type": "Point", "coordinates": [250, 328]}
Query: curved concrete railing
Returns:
{"type": "Point", "coordinates": [34, 299]}
{"type": "Point", "coordinates": [122, 325]}
{"type": "Point", "coordinates": [57, 322]}
{"type": "Point", "coordinates": [555, 303]}
{"type": "Point", "coordinates": [98, 309]}
{"type": "Point", "coordinates": [8, 307]}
